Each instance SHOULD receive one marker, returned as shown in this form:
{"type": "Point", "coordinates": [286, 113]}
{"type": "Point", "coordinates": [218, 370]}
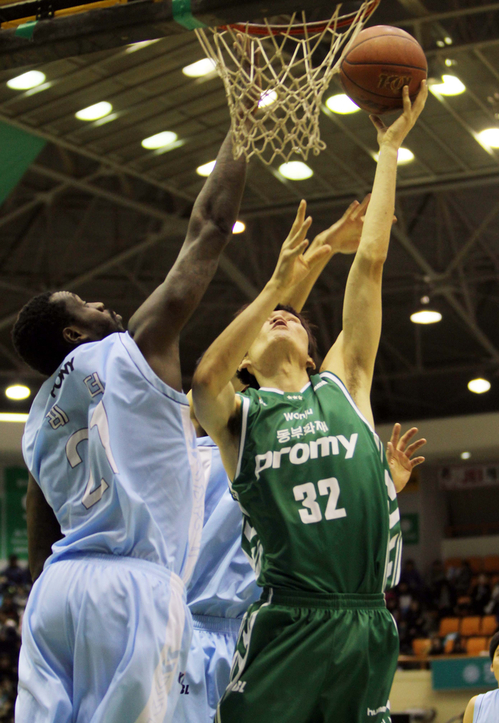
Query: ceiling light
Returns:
{"type": "Point", "coordinates": [267, 98]}
{"type": "Point", "coordinates": [489, 137]}
{"type": "Point", "coordinates": [440, 43]}
{"type": "Point", "coordinates": [341, 103]}
{"type": "Point", "coordinates": [465, 455]}
{"type": "Point", "coordinates": [449, 62]}
{"type": "Point", "coordinates": [295, 171]}
{"type": "Point", "coordinates": [202, 67]}
{"type": "Point", "coordinates": [160, 140]}
{"type": "Point", "coordinates": [239, 227]}
{"type": "Point", "coordinates": [143, 44]}
{"type": "Point", "coordinates": [479, 385]}
{"type": "Point", "coordinates": [206, 169]}
{"type": "Point", "coordinates": [94, 112]}
{"type": "Point", "coordinates": [404, 156]}
{"type": "Point", "coordinates": [448, 40]}
{"type": "Point", "coordinates": [17, 391]}
{"type": "Point", "coordinates": [27, 80]}
{"type": "Point", "coordinates": [450, 85]}
{"type": "Point", "coordinates": [13, 417]}
{"type": "Point", "coordinates": [426, 316]}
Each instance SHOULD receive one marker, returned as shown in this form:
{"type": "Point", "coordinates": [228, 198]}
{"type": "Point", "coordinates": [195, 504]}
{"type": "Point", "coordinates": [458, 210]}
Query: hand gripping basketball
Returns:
{"type": "Point", "coordinates": [394, 135]}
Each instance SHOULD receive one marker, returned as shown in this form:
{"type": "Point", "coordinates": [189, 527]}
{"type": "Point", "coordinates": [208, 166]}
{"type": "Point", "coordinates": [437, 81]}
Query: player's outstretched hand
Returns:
{"type": "Point", "coordinates": [394, 135]}
{"type": "Point", "coordinates": [292, 266]}
{"type": "Point", "coordinates": [399, 455]}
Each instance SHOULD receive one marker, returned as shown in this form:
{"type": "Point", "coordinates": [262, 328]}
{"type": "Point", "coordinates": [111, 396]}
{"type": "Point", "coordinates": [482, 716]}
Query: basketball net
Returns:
{"type": "Point", "coordinates": [275, 81]}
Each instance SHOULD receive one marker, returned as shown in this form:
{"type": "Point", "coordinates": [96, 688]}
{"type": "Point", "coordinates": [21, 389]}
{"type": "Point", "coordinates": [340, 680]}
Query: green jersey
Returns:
{"type": "Point", "coordinates": [320, 508]}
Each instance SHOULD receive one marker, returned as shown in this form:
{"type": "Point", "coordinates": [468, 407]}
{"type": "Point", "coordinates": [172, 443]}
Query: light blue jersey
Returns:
{"type": "Point", "coordinates": [487, 707]}
{"type": "Point", "coordinates": [107, 629]}
{"type": "Point", "coordinates": [223, 586]}
{"type": "Point", "coordinates": [114, 452]}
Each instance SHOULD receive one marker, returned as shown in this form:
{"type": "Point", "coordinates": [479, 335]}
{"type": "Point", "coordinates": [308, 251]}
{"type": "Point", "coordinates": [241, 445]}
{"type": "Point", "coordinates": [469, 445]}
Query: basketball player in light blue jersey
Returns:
{"type": "Point", "coordinates": [115, 474]}
{"type": "Point", "coordinates": [485, 708]}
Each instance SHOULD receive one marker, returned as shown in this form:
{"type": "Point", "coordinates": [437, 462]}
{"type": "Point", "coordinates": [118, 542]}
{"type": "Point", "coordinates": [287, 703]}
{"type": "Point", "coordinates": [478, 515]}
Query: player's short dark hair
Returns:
{"type": "Point", "coordinates": [248, 379]}
{"type": "Point", "coordinates": [494, 642]}
{"type": "Point", "coordinates": [37, 334]}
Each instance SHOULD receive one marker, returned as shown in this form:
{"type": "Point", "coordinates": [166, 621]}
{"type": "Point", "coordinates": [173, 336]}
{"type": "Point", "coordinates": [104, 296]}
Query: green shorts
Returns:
{"type": "Point", "coordinates": [312, 659]}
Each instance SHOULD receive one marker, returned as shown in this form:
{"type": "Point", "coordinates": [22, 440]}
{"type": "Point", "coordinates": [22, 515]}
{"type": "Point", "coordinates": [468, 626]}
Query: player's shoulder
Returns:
{"type": "Point", "coordinates": [469, 713]}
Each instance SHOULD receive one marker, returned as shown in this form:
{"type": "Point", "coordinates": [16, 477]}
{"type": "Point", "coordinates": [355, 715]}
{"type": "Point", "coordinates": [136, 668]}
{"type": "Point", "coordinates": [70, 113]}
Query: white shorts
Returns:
{"type": "Point", "coordinates": [103, 639]}
{"type": "Point", "coordinates": [208, 668]}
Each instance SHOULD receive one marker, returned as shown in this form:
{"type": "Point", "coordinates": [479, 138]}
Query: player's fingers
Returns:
{"type": "Point", "coordinates": [406, 100]}
{"type": "Point", "coordinates": [389, 451]}
{"type": "Point", "coordinates": [416, 461]}
{"type": "Point", "coordinates": [414, 447]}
{"type": "Point", "coordinates": [395, 434]}
{"type": "Point", "coordinates": [420, 101]}
{"type": "Point", "coordinates": [405, 439]}
{"type": "Point", "coordinates": [362, 208]}
{"type": "Point", "coordinates": [394, 219]}
{"type": "Point", "coordinates": [318, 255]}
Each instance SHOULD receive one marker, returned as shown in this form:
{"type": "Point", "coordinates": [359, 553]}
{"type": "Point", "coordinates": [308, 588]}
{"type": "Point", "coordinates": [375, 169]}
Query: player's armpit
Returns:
{"type": "Point", "coordinates": [220, 416]}
{"type": "Point", "coordinates": [43, 528]}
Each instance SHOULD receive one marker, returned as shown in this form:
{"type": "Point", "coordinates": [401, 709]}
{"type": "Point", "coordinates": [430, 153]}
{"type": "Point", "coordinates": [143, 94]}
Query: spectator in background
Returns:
{"type": "Point", "coordinates": [405, 598]}
{"type": "Point", "coordinates": [15, 574]}
{"type": "Point", "coordinates": [462, 579]}
{"type": "Point", "coordinates": [480, 595]}
{"type": "Point", "coordinates": [411, 577]}
{"type": "Point", "coordinates": [492, 607]}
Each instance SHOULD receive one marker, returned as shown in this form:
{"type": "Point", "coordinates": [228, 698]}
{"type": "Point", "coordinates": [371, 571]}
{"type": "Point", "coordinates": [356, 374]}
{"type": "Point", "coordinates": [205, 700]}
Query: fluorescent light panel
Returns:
{"type": "Point", "coordinates": [341, 104]}
{"type": "Point", "coordinates": [206, 169]}
{"type": "Point", "coordinates": [159, 140]}
{"type": "Point", "coordinates": [200, 68]}
{"type": "Point", "coordinates": [95, 111]}
{"type": "Point", "coordinates": [295, 171]}
{"type": "Point", "coordinates": [12, 417]}
{"type": "Point", "coordinates": [27, 80]}
{"type": "Point", "coordinates": [479, 385]}
{"type": "Point", "coordinates": [17, 391]}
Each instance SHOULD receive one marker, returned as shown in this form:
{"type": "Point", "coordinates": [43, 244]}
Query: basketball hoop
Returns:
{"type": "Point", "coordinates": [279, 71]}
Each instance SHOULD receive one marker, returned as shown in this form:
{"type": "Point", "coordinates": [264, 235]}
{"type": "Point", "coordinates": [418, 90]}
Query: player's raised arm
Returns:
{"type": "Point", "coordinates": [156, 325]}
{"type": "Point", "coordinates": [215, 403]}
{"type": "Point", "coordinates": [353, 356]}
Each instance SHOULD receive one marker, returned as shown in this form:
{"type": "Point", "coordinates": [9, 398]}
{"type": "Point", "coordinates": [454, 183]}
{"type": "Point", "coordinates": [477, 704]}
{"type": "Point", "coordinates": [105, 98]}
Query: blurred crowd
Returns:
{"type": "Point", "coordinates": [15, 584]}
{"type": "Point", "coordinates": [419, 603]}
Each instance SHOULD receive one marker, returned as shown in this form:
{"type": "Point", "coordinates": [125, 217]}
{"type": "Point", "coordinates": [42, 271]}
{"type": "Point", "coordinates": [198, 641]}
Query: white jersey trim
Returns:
{"type": "Point", "coordinates": [245, 405]}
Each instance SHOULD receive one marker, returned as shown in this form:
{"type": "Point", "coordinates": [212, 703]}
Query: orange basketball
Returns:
{"type": "Point", "coordinates": [378, 65]}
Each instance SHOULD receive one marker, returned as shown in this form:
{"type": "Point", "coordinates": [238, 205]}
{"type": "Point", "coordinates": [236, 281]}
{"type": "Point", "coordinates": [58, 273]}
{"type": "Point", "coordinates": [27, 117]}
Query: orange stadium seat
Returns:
{"type": "Point", "coordinates": [470, 625]}
{"type": "Point", "coordinates": [448, 625]}
{"type": "Point", "coordinates": [491, 563]}
{"type": "Point", "coordinates": [488, 625]}
{"type": "Point", "coordinates": [474, 646]}
{"type": "Point", "coordinates": [421, 646]}
{"type": "Point", "coordinates": [476, 564]}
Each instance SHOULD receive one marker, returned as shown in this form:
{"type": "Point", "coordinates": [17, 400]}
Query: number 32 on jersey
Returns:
{"type": "Point", "coordinates": [310, 511]}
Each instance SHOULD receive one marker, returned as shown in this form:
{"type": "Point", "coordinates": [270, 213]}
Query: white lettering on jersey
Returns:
{"type": "Point", "coordinates": [303, 451]}
{"type": "Point", "coordinates": [289, 416]}
{"type": "Point", "coordinates": [94, 384]}
{"type": "Point", "coordinates": [57, 417]}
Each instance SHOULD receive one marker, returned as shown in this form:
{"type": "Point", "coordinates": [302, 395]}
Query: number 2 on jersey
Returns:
{"type": "Point", "coordinates": [99, 420]}
{"type": "Point", "coordinates": [310, 510]}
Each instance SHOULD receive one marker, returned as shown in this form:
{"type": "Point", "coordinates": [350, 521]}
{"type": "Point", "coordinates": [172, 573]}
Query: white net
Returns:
{"type": "Point", "coordinates": [285, 74]}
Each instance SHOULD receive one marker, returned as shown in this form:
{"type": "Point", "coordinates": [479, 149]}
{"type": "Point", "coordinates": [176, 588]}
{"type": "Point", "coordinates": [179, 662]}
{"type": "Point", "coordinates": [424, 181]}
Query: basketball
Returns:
{"type": "Point", "coordinates": [378, 65]}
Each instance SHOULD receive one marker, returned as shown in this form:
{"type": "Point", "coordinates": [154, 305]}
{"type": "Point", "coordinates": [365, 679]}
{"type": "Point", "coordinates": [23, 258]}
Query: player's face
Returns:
{"type": "Point", "coordinates": [282, 333]}
{"type": "Point", "coordinates": [495, 664]}
{"type": "Point", "coordinates": [91, 319]}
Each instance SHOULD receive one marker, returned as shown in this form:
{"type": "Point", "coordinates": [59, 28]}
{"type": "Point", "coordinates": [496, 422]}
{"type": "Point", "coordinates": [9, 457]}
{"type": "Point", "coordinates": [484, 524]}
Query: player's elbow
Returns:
{"type": "Point", "coordinates": [204, 382]}
{"type": "Point", "coordinates": [209, 222]}
{"type": "Point", "coordinates": [372, 259]}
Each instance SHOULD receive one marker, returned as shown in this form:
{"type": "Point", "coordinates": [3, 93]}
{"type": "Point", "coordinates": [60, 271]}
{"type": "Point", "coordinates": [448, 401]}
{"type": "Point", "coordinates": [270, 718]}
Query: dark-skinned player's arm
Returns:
{"type": "Point", "coordinates": [43, 528]}
{"type": "Point", "coordinates": [353, 355]}
{"type": "Point", "coordinates": [343, 237]}
{"type": "Point", "coordinates": [216, 404]}
{"type": "Point", "coordinates": [157, 324]}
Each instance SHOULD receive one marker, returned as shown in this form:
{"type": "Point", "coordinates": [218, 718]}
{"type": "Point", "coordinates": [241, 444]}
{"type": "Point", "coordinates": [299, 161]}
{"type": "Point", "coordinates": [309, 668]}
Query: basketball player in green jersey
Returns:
{"type": "Point", "coordinates": [320, 506]}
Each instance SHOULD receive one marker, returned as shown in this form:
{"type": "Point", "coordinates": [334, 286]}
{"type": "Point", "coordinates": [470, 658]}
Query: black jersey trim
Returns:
{"type": "Point", "coordinates": [339, 383]}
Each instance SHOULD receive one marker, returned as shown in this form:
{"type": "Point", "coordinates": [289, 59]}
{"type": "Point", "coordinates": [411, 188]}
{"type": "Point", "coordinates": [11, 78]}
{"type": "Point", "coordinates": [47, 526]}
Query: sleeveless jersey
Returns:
{"type": "Point", "coordinates": [320, 507]}
{"type": "Point", "coordinates": [114, 452]}
{"type": "Point", "coordinates": [223, 583]}
{"type": "Point", "coordinates": [487, 707]}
